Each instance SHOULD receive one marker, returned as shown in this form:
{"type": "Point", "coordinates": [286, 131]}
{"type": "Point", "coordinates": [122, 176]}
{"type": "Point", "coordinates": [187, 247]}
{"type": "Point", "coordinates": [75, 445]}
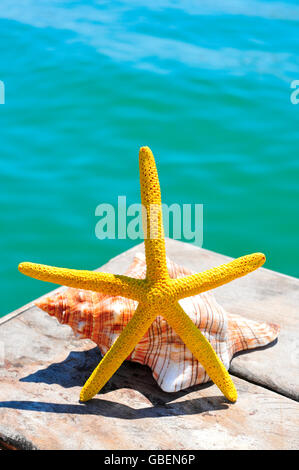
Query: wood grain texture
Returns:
{"type": "Point", "coordinates": [44, 367]}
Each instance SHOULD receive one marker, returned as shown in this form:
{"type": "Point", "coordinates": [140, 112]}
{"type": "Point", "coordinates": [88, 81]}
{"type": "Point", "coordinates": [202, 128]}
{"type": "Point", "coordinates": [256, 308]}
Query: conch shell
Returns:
{"type": "Point", "coordinates": [102, 318]}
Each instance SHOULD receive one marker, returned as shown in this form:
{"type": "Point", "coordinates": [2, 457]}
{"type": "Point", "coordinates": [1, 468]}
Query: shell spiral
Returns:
{"type": "Point", "coordinates": [102, 318]}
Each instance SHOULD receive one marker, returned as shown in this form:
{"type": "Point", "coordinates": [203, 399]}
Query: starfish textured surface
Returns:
{"type": "Point", "coordinates": [157, 294]}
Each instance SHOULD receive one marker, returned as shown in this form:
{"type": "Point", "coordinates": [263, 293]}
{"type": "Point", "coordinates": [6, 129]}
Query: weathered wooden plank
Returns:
{"type": "Point", "coordinates": [44, 367]}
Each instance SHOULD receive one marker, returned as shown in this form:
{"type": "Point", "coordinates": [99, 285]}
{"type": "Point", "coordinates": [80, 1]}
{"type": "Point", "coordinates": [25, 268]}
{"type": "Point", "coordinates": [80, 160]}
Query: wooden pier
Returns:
{"type": "Point", "coordinates": [43, 367]}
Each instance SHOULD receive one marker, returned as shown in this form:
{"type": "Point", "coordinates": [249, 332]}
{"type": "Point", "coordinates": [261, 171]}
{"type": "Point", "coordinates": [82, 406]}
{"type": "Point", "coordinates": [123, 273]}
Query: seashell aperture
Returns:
{"type": "Point", "coordinates": [102, 318]}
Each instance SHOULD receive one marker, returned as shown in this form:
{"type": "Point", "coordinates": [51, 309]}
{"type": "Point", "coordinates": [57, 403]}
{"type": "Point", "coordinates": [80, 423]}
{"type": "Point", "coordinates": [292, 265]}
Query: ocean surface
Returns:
{"type": "Point", "coordinates": [207, 85]}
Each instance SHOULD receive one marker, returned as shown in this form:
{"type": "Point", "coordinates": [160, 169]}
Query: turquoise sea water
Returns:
{"type": "Point", "coordinates": [87, 83]}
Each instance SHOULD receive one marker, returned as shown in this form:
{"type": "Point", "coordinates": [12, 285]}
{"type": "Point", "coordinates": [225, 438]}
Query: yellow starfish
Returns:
{"type": "Point", "coordinates": [155, 294]}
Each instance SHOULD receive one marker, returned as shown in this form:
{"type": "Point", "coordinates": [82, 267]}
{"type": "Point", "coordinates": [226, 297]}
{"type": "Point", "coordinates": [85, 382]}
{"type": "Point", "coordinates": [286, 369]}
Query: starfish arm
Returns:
{"type": "Point", "coordinates": [197, 283]}
{"type": "Point", "coordinates": [106, 283]}
{"type": "Point", "coordinates": [152, 216]}
{"type": "Point", "coordinates": [202, 350]}
{"type": "Point", "coordinates": [119, 351]}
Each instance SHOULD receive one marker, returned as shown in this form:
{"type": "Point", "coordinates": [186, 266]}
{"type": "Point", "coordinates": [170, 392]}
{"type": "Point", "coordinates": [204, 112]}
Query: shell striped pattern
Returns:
{"type": "Point", "coordinates": [102, 318]}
